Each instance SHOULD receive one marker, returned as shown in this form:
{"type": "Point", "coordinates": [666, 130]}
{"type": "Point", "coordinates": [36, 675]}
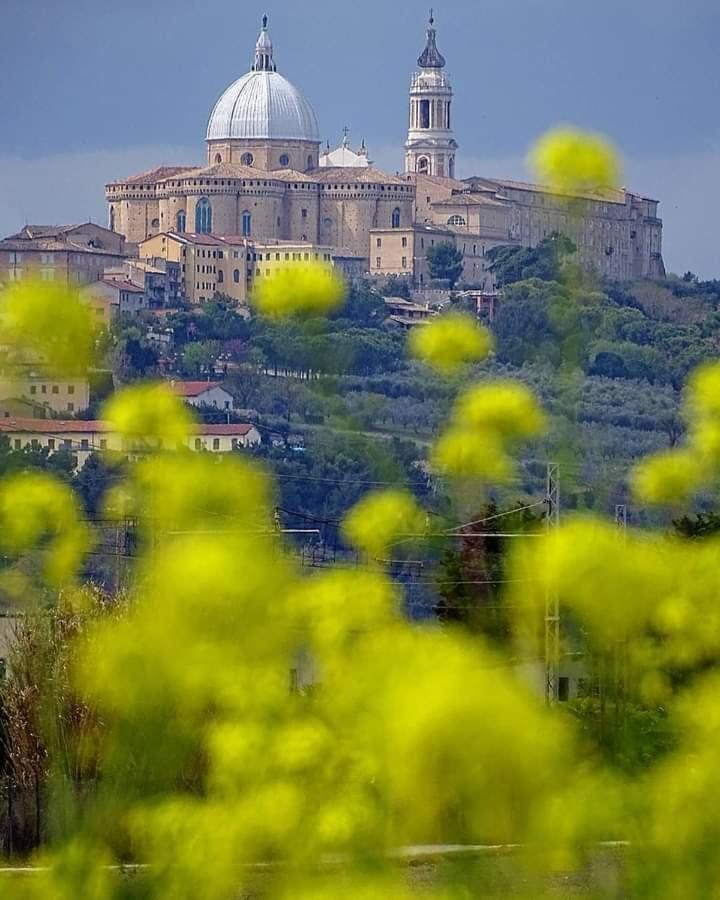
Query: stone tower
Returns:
{"type": "Point", "coordinates": [430, 146]}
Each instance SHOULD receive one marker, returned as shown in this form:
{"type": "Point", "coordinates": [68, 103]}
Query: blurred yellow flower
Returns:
{"type": "Point", "coordinates": [450, 341]}
{"type": "Point", "coordinates": [469, 454]}
{"type": "Point", "coordinates": [569, 160]}
{"type": "Point", "coordinates": [507, 407]}
{"type": "Point", "coordinates": [300, 289]}
{"type": "Point", "coordinates": [669, 477]}
{"type": "Point", "coordinates": [150, 413]}
{"type": "Point", "coordinates": [48, 323]}
{"type": "Point", "coordinates": [379, 517]}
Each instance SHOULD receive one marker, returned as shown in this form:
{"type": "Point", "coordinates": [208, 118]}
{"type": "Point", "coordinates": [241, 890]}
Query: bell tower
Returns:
{"type": "Point", "coordinates": [430, 147]}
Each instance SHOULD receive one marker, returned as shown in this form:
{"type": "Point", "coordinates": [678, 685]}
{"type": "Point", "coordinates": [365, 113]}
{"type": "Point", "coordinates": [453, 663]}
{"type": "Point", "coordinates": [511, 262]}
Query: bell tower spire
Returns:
{"type": "Point", "coordinates": [430, 147]}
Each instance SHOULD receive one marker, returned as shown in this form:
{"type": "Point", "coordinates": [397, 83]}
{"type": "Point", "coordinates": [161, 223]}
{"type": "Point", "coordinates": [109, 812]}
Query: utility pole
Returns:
{"type": "Point", "coordinates": [552, 601]}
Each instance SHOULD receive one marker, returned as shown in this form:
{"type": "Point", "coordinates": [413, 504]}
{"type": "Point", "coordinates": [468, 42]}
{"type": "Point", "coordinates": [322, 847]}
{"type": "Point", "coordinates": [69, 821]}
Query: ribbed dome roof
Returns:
{"type": "Point", "coordinates": [263, 105]}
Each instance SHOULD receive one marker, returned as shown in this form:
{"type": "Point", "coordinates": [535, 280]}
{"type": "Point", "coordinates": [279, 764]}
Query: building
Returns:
{"type": "Point", "coordinates": [159, 279]}
{"type": "Point", "coordinates": [407, 314]}
{"type": "Point", "coordinates": [83, 438]}
{"type": "Point", "coordinates": [207, 263]}
{"type": "Point", "coordinates": [204, 393]}
{"type": "Point", "coordinates": [111, 296]}
{"type": "Point", "coordinates": [73, 254]}
{"type": "Point", "coordinates": [32, 390]}
{"type": "Point", "coordinates": [266, 181]}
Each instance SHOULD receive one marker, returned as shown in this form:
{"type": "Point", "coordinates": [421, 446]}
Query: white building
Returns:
{"type": "Point", "coordinates": [204, 393]}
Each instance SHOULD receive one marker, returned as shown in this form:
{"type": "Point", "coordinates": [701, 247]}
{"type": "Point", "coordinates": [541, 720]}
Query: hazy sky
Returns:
{"type": "Point", "coordinates": [91, 91]}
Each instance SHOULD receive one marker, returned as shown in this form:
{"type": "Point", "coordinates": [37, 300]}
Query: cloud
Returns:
{"type": "Point", "coordinates": [70, 188]}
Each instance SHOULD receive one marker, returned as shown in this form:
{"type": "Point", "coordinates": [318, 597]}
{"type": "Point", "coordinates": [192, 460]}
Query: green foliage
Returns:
{"type": "Point", "coordinates": [445, 261]}
{"type": "Point", "coordinates": [545, 261]}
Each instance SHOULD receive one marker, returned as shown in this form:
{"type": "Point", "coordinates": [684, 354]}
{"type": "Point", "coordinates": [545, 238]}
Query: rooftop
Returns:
{"type": "Point", "coordinates": [192, 388]}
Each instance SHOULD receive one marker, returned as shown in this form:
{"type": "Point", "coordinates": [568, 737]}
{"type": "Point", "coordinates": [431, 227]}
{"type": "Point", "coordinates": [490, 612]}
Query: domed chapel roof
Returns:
{"type": "Point", "coordinates": [263, 105]}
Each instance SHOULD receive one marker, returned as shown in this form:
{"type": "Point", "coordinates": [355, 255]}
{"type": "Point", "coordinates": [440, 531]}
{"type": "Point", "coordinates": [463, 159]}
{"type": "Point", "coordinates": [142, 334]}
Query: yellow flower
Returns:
{"type": "Point", "coordinates": [466, 453]}
{"type": "Point", "coordinates": [372, 523]}
{"type": "Point", "coordinates": [47, 323]}
{"type": "Point", "coordinates": [569, 161]}
{"type": "Point", "coordinates": [302, 289]}
{"type": "Point", "coordinates": [508, 408]}
{"type": "Point", "coordinates": [669, 477]}
{"type": "Point", "coordinates": [450, 341]}
{"type": "Point", "coordinates": [150, 413]}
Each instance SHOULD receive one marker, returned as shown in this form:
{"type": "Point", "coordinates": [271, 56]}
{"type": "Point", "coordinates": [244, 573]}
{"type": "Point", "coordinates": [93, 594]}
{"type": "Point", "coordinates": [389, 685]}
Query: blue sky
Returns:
{"type": "Point", "coordinates": [92, 91]}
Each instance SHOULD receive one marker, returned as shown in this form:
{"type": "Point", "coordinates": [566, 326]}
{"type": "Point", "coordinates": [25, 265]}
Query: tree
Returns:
{"type": "Point", "coordinates": [445, 262]}
{"type": "Point", "coordinates": [199, 357]}
{"type": "Point", "coordinates": [545, 261]}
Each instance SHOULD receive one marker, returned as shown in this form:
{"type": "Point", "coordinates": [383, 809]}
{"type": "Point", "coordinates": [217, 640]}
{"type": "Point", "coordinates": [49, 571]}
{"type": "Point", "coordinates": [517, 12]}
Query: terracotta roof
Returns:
{"type": "Point", "coordinates": [611, 195]}
{"type": "Point", "coordinates": [123, 285]}
{"type": "Point", "coordinates": [348, 175]}
{"type": "Point", "coordinates": [470, 200]}
{"type": "Point", "coordinates": [450, 183]}
{"type": "Point", "coordinates": [193, 388]}
{"type": "Point", "coordinates": [292, 175]}
{"type": "Point", "coordinates": [152, 176]}
{"type": "Point", "coordinates": [50, 245]}
{"type": "Point", "coordinates": [226, 429]}
{"type": "Point", "coordinates": [53, 426]}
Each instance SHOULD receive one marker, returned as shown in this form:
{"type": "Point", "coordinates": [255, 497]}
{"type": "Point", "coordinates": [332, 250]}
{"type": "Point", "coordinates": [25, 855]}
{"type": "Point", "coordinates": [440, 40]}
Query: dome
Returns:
{"type": "Point", "coordinates": [262, 105]}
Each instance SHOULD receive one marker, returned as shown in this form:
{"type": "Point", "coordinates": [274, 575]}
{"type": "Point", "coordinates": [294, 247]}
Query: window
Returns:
{"type": "Point", "coordinates": [424, 113]}
{"type": "Point", "coordinates": [51, 443]}
{"type": "Point", "coordinates": [456, 220]}
{"type": "Point", "coordinates": [395, 220]}
{"type": "Point", "coordinates": [71, 407]}
{"type": "Point", "coordinates": [404, 262]}
{"type": "Point", "coordinates": [378, 262]}
{"type": "Point", "coordinates": [563, 688]}
{"type": "Point", "coordinates": [284, 160]}
{"type": "Point", "coordinates": [103, 444]}
{"type": "Point", "coordinates": [84, 444]}
{"type": "Point", "coordinates": [236, 276]}
{"type": "Point", "coordinates": [247, 159]}
{"type": "Point", "coordinates": [55, 388]}
{"type": "Point", "coordinates": [43, 389]}
{"type": "Point", "coordinates": [112, 218]}
{"type": "Point", "coordinates": [203, 216]}
{"type": "Point", "coordinates": [180, 222]}
{"type": "Point", "coordinates": [404, 242]}
{"type": "Point", "coordinates": [71, 389]}
{"type": "Point", "coordinates": [218, 158]}
{"type": "Point", "coordinates": [221, 277]}
{"type": "Point", "coordinates": [379, 242]}
{"type": "Point", "coordinates": [246, 223]}
{"type": "Point", "coordinates": [18, 444]}
{"type": "Point", "coordinates": [198, 444]}
{"type": "Point", "coordinates": [33, 389]}
{"type": "Point", "coordinates": [310, 162]}
{"type": "Point", "coordinates": [423, 165]}
{"type": "Point", "coordinates": [67, 444]}
{"type": "Point", "coordinates": [216, 443]}
{"type": "Point", "coordinates": [303, 213]}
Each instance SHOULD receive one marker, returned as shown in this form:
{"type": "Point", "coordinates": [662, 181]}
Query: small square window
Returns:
{"type": "Point", "coordinates": [84, 444]}
{"type": "Point", "coordinates": [71, 389]}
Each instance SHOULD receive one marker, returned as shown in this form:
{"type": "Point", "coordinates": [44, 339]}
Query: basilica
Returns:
{"type": "Point", "coordinates": [270, 189]}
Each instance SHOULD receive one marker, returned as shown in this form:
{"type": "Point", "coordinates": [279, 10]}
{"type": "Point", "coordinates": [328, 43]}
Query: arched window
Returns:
{"type": "Point", "coordinates": [310, 162]}
{"type": "Point", "coordinates": [203, 216]}
{"type": "Point", "coordinates": [423, 164]}
{"type": "Point", "coordinates": [221, 276]}
{"type": "Point", "coordinates": [180, 222]}
{"type": "Point", "coordinates": [218, 158]}
{"type": "Point", "coordinates": [396, 217]}
{"type": "Point", "coordinates": [155, 223]}
{"type": "Point", "coordinates": [247, 159]}
{"type": "Point", "coordinates": [246, 224]}
{"type": "Point", "coordinates": [112, 218]}
{"type": "Point", "coordinates": [456, 220]}
{"type": "Point", "coordinates": [284, 160]}
{"type": "Point", "coordinates": [236, 276]}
